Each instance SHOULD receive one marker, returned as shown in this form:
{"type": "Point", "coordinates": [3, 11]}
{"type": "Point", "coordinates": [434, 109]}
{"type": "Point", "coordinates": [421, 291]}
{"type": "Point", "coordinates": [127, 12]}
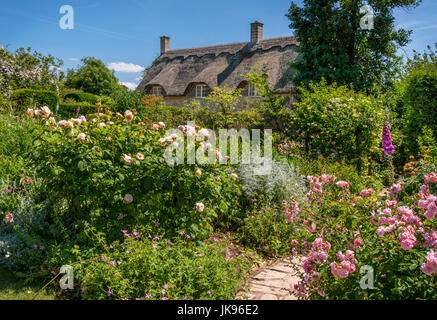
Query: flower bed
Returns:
{"type": "Point", "coordinates": [365, 247]}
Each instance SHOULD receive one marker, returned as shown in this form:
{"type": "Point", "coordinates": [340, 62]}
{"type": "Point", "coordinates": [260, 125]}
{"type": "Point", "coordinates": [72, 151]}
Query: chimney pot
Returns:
{"type": "Point", "coordinates": [165, 44]}
{"type": "Point", "coordinates": [256, 31]}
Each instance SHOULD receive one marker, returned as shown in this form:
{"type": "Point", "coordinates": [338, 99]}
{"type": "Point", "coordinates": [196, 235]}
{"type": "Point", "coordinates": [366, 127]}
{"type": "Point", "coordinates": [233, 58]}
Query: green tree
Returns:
{"type": "Point", "coordinates": [93, 77]}
{"type": "Point", "coordinates": [271, 104]}
{"type": "Point", "coordinates": [333, 46]}
{"type": "Point", "coordinates": [124, 99]}
{"type": "Point", "coordinates": [418, 101]}
{"type": "Point", "coordinates": [335, 120]}
{"type": "Point", "coordinates": [223, 100]}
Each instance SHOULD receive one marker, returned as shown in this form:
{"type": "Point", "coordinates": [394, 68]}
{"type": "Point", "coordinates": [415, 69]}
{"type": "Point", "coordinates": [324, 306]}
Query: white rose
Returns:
{"type": "Point", "coordinates": [128, 198]}
{"type": "Point", "coordinates": [199, 207]}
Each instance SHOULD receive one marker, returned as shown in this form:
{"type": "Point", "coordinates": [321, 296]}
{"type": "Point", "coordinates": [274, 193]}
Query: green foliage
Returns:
{"type": "Point", "coordinates": [331, 119]}
{"type": "Point", "coordinates": [343, 171]}
{"type": "Point", "coordinates": [334, 47]}
{"type": "Point", "coordinates": [419, 87]}
{"type": "Point", "coordinates": [69, 110]}
{"type": "Point", "coordinates": [79, 96]}
{"type": "Point", "coordinates": [15, 142]}
{"type": "Point", "coordinates": [159, 270]}
{"type": "Point", "coordinates": [223, 100]}
{"type": "Point", "coordinates": [14, 288]}
{"type": "Point", "coordinates": [268, 231]}
{"type": "Point", "coordinates": [30, 98]}
{"type": "Point", "coordinates": [170, 115]}
{"type": "Point", "coordinates": [91, 178]}
{"type": "Point", "coordinates": [124, 99]}
{"type": "Point", "coordinates": [92, 77]}
{"type": "Point", "coordinates": [271, 106]}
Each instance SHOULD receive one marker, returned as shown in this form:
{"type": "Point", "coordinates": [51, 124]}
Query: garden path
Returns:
{"type": "Point", "coordinates": [274, 279]}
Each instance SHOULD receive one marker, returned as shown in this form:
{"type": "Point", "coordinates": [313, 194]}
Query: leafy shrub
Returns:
{"type": "Point", "coordinates": [418, 98]}
{"type": "Point", "coordinates": [79, 96]}
{"type": "Point", "coordinates": [172, 116]}
{"type": "Point", "coordinates": [160, 269]}
{"type": "Point", "coordinates": [87, 169]}
{"type": "Point", "coordinates": [92, 76]}
{"type": "Point", "coordinates": [342, 170]}
{"type": "Point", "coordinates": [24, 69]}
{"type": "Point", "coordinates": [150, 100]}
{"type": "Point", "coordinates": [272, 107]}
{"type": "Point", "coordinates": [125, 100]}
{"type": "Point", "coordinates": [36, 98]}
{"type": "Point", "coordinates": [268, 231]}
{"type": "Point", "coordinates": [105, 101]}
{"type": "Point", "coordinates": [15, 143]}
{"type": "Point", "coordinates": [334, 119]}
{"type": "Point", "coordinates": [68, 110]}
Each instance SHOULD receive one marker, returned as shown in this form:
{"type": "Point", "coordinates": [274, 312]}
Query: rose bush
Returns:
{"type": "Point", "coordinates": [109, 170]}
{"type": "Point", "coordinates": [342, 232]}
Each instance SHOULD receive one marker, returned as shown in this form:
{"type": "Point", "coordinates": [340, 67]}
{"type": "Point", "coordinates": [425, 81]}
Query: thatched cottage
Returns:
{"type": "Point", "coordinates": [183, 74]}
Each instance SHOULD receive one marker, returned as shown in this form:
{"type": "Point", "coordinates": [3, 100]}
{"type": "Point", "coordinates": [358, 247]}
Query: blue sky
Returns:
{"type": "Point", "coordinates": [125, 33]}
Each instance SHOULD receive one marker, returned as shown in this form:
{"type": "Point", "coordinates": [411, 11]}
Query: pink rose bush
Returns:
{"type": "Point", "coordinates": [397, 238]}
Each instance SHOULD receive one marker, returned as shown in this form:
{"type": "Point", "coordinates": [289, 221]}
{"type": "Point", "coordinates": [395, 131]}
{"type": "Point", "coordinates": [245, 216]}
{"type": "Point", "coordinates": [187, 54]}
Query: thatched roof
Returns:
{"type": "Point", "coordinates": [223, 65]}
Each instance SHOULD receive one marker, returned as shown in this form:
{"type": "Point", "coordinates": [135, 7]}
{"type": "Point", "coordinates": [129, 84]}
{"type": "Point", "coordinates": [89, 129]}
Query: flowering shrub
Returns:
{"type": "Point", "coordinates": [159, 269]}
{"type": "Point", "coordinates": [337, 120]}
{"type": "Point", "coordinates": [26, 69]}
{"type": "Point", "coordinates": [342, 233]}
{"type": "Point", "coordinates": [110, 171]}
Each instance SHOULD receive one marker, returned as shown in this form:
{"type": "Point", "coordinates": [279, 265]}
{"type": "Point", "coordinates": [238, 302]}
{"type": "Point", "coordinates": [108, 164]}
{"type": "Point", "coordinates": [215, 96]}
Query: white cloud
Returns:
{"type": "Point", "coordinates": [139, 78]}
{"type": "Point", "coordinates": [74, 59]}
{"type": "Point", "coordinates": [125, 67]}
{"type": "Point", "coordinates": [427, 27]}
{"type": "Point", "coordinates": [130, 85]}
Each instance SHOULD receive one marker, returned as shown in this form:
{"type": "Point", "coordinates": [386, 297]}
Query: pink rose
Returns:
{"type": "Point", "coordinates": [343, 184]}
{"type": "Point", "coordinates": [128, 115]}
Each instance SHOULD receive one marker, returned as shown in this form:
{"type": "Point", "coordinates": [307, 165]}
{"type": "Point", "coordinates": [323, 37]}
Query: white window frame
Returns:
{"type": "Point", "coordinates": [252, 91]}
{"type": "Point", "coordinates": [201, 90]}
{"type": "Point", "coordinates": [157, 91]}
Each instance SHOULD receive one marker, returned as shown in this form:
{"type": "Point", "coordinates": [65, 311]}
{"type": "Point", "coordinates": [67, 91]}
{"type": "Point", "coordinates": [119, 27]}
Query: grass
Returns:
{"type": "Point", "coordinates": [13, 288]}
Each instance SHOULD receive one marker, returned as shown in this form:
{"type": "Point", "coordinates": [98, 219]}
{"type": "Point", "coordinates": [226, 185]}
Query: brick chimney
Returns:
{"type": "Point", "coordinates": [256, 31]}
{"type": "Point", "coordinates": [165, 44]}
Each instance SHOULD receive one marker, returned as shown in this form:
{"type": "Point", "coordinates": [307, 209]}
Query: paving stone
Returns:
{"type": "Point", "coordinates": [274, 280]}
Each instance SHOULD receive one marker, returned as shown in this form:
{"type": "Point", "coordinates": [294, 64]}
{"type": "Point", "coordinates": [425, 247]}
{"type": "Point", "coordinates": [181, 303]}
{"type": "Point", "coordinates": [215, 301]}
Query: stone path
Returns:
{"type": "Point", "coordinates": [273, 280]}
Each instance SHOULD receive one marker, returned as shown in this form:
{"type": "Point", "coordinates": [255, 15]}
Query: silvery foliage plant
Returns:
{"type": "Point", "coordinates": [282, 182]}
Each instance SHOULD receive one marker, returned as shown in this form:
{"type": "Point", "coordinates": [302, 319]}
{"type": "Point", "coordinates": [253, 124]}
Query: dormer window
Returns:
{"type": "Point", "coordinates": [253, 91]}
{"type": "Point", "coordinates": [157, 91]}
{"type": "Point", "coordinates": [201, 91]}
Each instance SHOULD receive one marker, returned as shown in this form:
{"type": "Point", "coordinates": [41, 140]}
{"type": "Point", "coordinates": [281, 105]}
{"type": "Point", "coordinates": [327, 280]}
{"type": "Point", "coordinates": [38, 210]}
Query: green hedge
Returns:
{"type": "Point", "coordinates": [79, 96]}
{"type": "Point", "coordinates": [36, 98]}
{"type": "Point", "coordinates": [68, 110]}
{"type": "Point", "coordinates": [173, 116]}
